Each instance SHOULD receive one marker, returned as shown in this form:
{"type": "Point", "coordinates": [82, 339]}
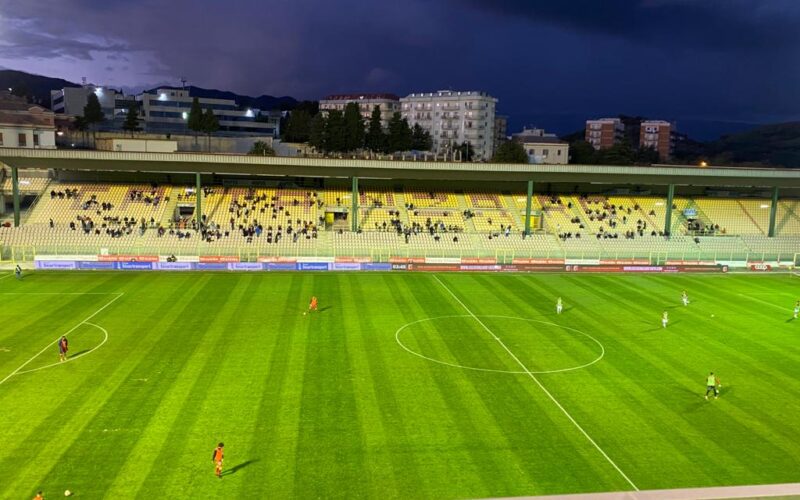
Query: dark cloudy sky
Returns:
{"type": "Point", "coordinates": [550, 62]}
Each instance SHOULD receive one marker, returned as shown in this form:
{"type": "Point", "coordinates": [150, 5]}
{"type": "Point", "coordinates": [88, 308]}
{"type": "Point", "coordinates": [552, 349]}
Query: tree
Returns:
{"type": "Point", "coordinates": [131, 123]}
{"type": "Point", "coordinates": [510, 152]}
{"type": "Point", "coordinates": [316, 134]}
{"type": "Point", "coordinates": [582, 153]}
{"type": "Point", "coordinates": [310, 107]}
{"type": "Point", "coordinates": [618, 154]}
{"type": "Point", "coordinates": [353, 126]}
{"type": "Point", "coordinates": [210, 125]}
{"type": "Point", "coordinates": [647, 156]}
{"type": "Point", "coordinates": [298, 126]}
{"type": "Point", "coordinates": [420, 138]}
{"type": "Point", "coordinates": [195, 119]}
{"type": "Point", "coordinates": [399, 134]}
{"type": "Point", "coordinates": [335, 139]}
{"type": "Point", "coordinates": [376, 137]}
{"type": "Point", "coordinates": [467, 152]}
{"type": "Point", "coordinates": [93, 113]}
{"type": "Point", "coordinates": [261, 148]}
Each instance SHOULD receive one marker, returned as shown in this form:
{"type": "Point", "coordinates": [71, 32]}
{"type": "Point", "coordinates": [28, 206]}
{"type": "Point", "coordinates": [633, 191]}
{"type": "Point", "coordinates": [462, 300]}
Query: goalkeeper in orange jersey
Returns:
{"type": "Point", "coordinates": [312, 306]}
{"type": "Point", "coordinates": [217, 457]}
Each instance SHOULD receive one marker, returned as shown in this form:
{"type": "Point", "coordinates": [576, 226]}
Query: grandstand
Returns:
{"type": "Point", "coordinates": [457, 218]}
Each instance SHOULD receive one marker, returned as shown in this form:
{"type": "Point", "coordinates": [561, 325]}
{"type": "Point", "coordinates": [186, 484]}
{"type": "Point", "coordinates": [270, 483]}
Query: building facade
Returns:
{"type": "Point", "coordinates": [454, 118]}
{"type": "Point", "coordinates": [500, 130]}
{"type": "Point", "coordinates": [604, 132]}
{"type": "Point", "coordinates": [70, 101]}
{"type": "Point", "coordinates": [24, 125]}
{"type": "Point", "coordinates": [387, 103]}
{"type": "Point", "coordinates": [542, 147]}
{"type": "Point", "coordinates": [167, 110]}
{"type": "Point", "coordinates": [657, 134]}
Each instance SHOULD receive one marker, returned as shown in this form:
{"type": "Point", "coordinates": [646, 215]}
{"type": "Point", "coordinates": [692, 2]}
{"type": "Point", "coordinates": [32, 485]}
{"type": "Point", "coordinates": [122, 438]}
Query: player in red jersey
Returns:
{"type": "Point", "coordinates": [313, 305]}
{"type": "Point", "coordinates": [63, 347]}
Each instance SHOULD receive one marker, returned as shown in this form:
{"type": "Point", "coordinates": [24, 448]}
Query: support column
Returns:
{"type": "Point", "coordinates": [773, 212]}
{"type": "Point", "coordinates": [668, 218]}
{"type": "Point", "coordinates": [198, 207]}
{"type": "Point", "coordinates": [15, 191]}
{"type": "Point", "coordinates": [354, 208]}
{"type": "Point", "coordinates": [528, 203]}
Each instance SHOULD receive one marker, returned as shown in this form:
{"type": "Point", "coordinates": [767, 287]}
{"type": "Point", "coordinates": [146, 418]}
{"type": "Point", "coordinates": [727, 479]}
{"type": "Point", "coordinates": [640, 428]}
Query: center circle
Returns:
{"type": "Point", "coordinates": [466, 341]}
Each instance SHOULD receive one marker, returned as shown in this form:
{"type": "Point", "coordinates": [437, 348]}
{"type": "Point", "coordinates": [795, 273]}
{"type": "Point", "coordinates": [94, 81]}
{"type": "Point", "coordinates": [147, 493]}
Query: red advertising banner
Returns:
{"type": "Point", "coordinates": [647, 269]}
{"type": "Point", "coordinates": [636, 262]}
{"type": "Point", "coordinates": [219, 258]}
{"type": "Point", "coordinates": [478, 260]}
{"type": "Point", "coordinates": [760, 266]}
{"type": "Point", "coordinates": [690, 263]}
{"type": "Point", "coordinates": [281, 260]}
{"type": "Point", "coordinates": [351, 260]}
{"type": "Point", "coordinates": [537, 261]}
{"type": "Point", "coordinates": [127, 258]}
{"type": "Point", "coordinates": [406, 260]}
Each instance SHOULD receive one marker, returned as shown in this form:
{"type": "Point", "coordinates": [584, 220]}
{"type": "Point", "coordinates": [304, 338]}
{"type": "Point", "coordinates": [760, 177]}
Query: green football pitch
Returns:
{"type": "Point", "coordinates": [400, 386]}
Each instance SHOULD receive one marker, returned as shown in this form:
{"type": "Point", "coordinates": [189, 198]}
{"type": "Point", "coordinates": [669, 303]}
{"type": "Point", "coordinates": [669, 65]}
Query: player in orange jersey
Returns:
{"type": "Point", "coordinates": [217, 457]}
{"type": "Point", "coordinates": [313, 305]}
{"type": "Point", "coordinates": [38, 496]}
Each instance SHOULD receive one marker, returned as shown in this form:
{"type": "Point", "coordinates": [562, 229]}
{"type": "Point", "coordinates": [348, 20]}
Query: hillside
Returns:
{"type": "Point", "coordinates": [36, 87]}
{"type": "Point", "coordinates": [263, 102]}
{"type": "Point", "coordinates": [773, 145]}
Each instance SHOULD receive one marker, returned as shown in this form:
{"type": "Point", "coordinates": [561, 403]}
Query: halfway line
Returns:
{"type": "Point", "coordinates": [542, 387]}
{"type": "Point", "coordinates": [23, 365]}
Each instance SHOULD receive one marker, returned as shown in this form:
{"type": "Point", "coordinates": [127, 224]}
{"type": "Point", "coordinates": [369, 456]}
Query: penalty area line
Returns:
{"type": "Point", "coordinates": [538, 383]}
{"type": "Point", "coordinates": [23, 365]}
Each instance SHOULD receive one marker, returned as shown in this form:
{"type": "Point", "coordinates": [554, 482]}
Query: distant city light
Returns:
{"type": "Point", "coordinates": [703, 164]}
{"type": "Point", "coordinates": [185, 115]}
{"type": "Point", "coordinates": [249, 113]}
{"type": "Point", "coordinates": [98, 91]}
{"type": "Point", "coordinates": [162, 97]}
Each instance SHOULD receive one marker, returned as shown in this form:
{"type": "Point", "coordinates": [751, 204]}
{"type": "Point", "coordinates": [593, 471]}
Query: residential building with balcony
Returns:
{"type": "Point", "coordinates": [387, 103]}
{"type": "Point", "coordinates": [453, 118]}
{"type": "Point", "coordinates": [657, 134]}
{"type": "Point", "coordinates": [604, 132]}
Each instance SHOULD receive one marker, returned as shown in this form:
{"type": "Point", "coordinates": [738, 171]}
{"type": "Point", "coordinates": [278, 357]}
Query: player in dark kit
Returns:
{"type": "Point", "coordinates": [63, 347]}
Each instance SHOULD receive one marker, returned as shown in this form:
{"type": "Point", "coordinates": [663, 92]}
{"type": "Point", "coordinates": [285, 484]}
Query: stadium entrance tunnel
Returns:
{"type": "Point", "coordinates": [461, 341]}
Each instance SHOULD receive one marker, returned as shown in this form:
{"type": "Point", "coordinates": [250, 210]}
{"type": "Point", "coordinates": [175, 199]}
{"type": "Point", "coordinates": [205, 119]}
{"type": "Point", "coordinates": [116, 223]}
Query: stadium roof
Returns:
{"type": "Point", "coordinates": [205, 163]}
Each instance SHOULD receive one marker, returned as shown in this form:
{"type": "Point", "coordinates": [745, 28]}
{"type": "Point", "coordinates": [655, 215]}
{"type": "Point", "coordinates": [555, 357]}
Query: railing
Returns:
{"type": "Point", "coordinates": [251, 253]}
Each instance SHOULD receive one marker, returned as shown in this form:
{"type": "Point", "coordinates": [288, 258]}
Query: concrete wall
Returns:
{"type": "Point", "coordinates": [141, 145]}
{"type": "Point", "coordinates": [10, 139]}
{"type": "Point", "coordinates": [185, 142]}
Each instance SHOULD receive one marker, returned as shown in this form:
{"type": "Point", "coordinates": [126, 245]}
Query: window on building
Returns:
{"type": "Point", "coordinates": [1, 138]}
{"type": "Point", "coordinates": [35, 140]}
{"type": "Point", "coordinates": [545, 152]}
{"type": "Point", "coordinates": [558, 153]}
{"type": "Point", "coordinates": [22, 140]}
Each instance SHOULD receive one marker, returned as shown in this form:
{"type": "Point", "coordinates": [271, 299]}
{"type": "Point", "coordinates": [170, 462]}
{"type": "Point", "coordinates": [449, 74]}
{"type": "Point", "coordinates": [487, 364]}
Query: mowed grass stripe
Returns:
{"type": "Point", "coordinates": [275, 416]}
{"type": "Point", "coordinates": [330, 448]}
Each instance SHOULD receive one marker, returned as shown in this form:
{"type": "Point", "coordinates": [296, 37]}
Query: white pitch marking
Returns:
{"type": "Point", "coordinates": [787, 310]}
{"type": "Point", "coordinates": [541, 386]}
{"type": "Point", "coordinates": [454, 365]}
{"type": "Point", "coordinates": [105, 339]}
{"type": "Point", "coordinates": [23, 365]}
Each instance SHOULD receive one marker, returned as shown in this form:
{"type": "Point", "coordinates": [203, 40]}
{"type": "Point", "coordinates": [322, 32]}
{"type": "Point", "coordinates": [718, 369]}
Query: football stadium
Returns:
{"type": "Point", "coordinates": [395, 329]}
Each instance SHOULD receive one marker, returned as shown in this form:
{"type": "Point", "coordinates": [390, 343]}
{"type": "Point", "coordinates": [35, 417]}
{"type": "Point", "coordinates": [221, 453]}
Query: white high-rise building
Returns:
{"type": "Point", "coordinates": [453, 118]}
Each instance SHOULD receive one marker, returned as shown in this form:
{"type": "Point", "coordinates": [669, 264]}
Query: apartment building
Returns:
{"type": "Point", "coordinates": [500, 130]}
{"type": "Point", "coordinates": [657, 134]}
{"type": "Point", "coordinates": [70, 101]}
{"type": "Point", "coordinates": [543, 147]}
{"type": "Point", "coordinates": [603, 133]}
{"type": "Point", "coordinates": [453, 118]}
{"type": "Point", "coordinates": [387, 103]}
